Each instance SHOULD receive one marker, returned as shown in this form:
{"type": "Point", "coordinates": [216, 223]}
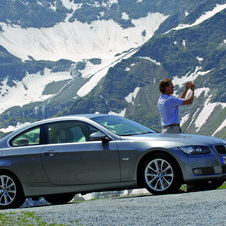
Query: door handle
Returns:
{"type": "Point", "coordinates": [50, 153]}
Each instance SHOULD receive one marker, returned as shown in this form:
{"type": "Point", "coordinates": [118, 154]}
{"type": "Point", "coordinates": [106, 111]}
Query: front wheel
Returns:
{"type": "Point", "coordinates": [11, 192]}
{"type": "Point", "coordinates": [59, 198]}
{"type": "Point", "coordinates": [161, 174]}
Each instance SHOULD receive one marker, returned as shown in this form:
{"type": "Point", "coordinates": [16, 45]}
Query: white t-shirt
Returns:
{"type": "Point", "coordinates": [168, 108]}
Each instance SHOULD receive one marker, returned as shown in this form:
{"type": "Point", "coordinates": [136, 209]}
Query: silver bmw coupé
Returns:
{"type": "Point", "coordinates": [59, 157]}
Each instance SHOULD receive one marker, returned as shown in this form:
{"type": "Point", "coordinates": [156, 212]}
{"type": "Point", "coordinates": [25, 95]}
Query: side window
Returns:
{"type": "Point", "coordinates": [69, 132]}
{"type": "Point", "coordinates": [29, 137]}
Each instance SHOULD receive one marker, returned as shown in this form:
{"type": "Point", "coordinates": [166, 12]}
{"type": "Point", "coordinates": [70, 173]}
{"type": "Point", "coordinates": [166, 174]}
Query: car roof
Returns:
{"type": "Point", "coordinates": [85, 117]}
{"type": "Point", "coordinates": [68, 117]}
{"type": "Point", "coordinates": [54, 119]}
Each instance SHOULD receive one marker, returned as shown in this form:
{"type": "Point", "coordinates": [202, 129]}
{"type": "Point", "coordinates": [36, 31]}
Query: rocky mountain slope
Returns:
{"type": "Point", "coordinates": [68, 57]}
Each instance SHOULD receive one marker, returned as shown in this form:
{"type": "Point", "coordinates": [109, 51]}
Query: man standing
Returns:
{"type": "Point", "coordinates": [168, 105]}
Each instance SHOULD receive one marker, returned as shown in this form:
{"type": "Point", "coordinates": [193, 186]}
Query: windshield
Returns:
{"type": "Point", "coordinates": [122, 126]}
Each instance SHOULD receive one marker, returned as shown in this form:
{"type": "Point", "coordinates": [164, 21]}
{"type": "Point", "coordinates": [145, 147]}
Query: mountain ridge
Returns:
{"type": "Point", "coordinates": [123, 78]}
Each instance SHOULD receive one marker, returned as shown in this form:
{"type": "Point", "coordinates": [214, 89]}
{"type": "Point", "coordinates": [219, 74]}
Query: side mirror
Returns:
{"type": "Point", "coordinates": [98, 137]}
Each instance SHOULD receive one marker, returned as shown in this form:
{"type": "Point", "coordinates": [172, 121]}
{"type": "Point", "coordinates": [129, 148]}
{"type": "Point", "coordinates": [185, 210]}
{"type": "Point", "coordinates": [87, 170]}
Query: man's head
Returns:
{"type": "Point", "coordinates": [166, 86]}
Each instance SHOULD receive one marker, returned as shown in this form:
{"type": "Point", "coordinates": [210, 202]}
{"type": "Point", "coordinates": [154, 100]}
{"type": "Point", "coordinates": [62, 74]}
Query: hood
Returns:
{"type": "Point", "coordinates": [173, 140]}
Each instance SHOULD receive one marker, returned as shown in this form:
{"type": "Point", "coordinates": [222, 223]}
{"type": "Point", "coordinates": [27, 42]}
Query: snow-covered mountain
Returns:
{"type": "Point", "coordinates": [75, 41]}
{"type": "Point", "coordinates": [66, 57]}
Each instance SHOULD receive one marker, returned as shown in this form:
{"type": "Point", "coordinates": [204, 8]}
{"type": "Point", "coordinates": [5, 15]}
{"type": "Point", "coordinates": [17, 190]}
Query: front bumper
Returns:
{"type": "Point", "coordinates": [202, 167]}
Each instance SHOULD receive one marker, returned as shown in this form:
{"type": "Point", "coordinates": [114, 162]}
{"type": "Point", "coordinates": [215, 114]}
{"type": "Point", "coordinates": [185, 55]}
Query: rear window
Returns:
{"type": "Point", "coordinates": [27, 138]}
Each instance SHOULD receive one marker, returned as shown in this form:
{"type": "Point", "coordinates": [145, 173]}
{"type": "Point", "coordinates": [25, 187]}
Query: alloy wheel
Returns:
{"type": "Point", "coordinates": [159, 174]}
{"type": "Point", "coordinates": [7, 190]}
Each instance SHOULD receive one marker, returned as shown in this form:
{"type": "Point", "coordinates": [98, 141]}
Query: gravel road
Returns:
{"type": "Point", "coordinates": [194, 208]}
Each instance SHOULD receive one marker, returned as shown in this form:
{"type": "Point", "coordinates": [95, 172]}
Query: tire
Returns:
{"type": "Point", "coordinates": [11, 192]}
{"type": "Point", "coordinates": [205, 185]}
{"type": "Point", "coordinates": [161, 174]}
{"type": "Point", "coordinates": [59, 198]}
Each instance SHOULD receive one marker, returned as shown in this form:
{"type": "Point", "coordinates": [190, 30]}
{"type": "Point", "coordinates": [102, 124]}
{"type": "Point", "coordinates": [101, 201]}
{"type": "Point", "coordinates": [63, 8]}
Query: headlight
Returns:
{"type": "Point", "coordinates": [195, 150]}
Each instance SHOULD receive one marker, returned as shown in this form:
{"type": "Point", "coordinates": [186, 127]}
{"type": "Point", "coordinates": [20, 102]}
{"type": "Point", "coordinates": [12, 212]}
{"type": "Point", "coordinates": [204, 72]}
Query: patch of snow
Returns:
{"type": "Point", "coordinates": [125, 16]}
{"type": "Point", "coordinates": [23, 2]}
{"type": "Point", "coordinates": [71, 5]}
{"type": "Point", "coordinates": [184, 119]}
{"type": "Point", "coordinates": [74, 41]}
{"type": "Point", "coordinates": [189, 77]}
{"type": "Point", "coordinates": [199, 59]}
{"type": "Point", "coordinates": [40, 3]}
{"type": "Point", "coordinates": [199, 91]}
{"type": "Point", "coordinates": [53, 6]}
{"type": "Point", "coordinates": [93, 195]}
{"type": "Point", "coordinates": [91, 69]}
{"type": "Point", "coordinates": [29, 90]}
{"type": "Point", "coordinates": [13, 128]}
{"type": "Point", "coordinates": [224, 42]}
{"type": "Point", "coordinates": [206, 112]}
{"type": "Point", "coordinates": [88, 196]}
{"type": "Point", "coordinates": [148, 58]}
{"type": "Point", "coordinates": [135, 192]}
{"type": "Point", "coordinates": [221, 127]}
{"type": "Point", "coordinates": [122, 113]}
{"type": "Point", "coordinates": [98, 75]}
{"type": "Point", "coordinates": [131, 97]}
{"type": "Point", "coordinates": [102, 13]}
{"type": "Point", "coordinates": [85, 89]}
{"type": "Point", "coordinates": [111, 2]}
{"type": "Point", "coordinates": [203, 17]}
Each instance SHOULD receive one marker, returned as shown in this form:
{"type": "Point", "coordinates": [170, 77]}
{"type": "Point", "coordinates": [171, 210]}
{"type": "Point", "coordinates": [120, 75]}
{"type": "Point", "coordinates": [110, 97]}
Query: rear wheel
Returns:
{"type": "Point", "coordinates": [161, 174]}
{"type": "Point", "coordinates": [59, 198]}
{"type": "Point", "coordinates": [11, 192]}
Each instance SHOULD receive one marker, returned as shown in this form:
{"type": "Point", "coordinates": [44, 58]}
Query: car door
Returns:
{"type": "Point", "coordinates": [23, 156]}
{"type": "Point", "coordinates": [71, 158]}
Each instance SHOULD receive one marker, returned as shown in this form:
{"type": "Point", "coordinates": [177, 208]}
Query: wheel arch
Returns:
{"type": "Point", "coordinates": [12, 196]}
{"type": "Point", "coordinates": [149, 154]}
{"type": "Point", "coordinates": [6, 171]}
